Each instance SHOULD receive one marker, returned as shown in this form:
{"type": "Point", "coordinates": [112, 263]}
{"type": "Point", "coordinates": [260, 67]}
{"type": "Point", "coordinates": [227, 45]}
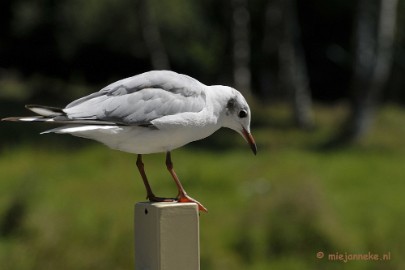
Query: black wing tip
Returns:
{"type": "Point", "coordinates": [11, 119]}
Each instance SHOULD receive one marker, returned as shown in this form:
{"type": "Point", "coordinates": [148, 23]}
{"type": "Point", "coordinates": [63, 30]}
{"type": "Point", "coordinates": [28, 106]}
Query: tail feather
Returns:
{"type": "Point", "coordinates": [56, 116]}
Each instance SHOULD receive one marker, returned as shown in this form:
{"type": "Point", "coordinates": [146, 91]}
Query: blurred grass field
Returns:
{"type": "Point", "coordinates": [70, 205]}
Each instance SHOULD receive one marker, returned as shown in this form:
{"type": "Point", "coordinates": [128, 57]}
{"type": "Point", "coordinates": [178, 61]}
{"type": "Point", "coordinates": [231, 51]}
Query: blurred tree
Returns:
{"type": "Point", "coordinates": [282, 44]}
{"type": "Point", "coordinates": [195, 35]}
{"type": "Point", "coordinates": [265, 63]}
{"type": "Point", "coordinates": [241, 45]}
{"type": "Point", "coordinates": [374, 37]}
{"type": "Point", "coordinates": [151, 35]}
{"type": "Point", "coordinates": [289, 50]}
{"type": "Point", "coordinates": [294, 75]}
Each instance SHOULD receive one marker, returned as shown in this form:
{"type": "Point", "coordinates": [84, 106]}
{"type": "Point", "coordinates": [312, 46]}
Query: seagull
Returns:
{"type": "Point", "coordinates": [153, 112]}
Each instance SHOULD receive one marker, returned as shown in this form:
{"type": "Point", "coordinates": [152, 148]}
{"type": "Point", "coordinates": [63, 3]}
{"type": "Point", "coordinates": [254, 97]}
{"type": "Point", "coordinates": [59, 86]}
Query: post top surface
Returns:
{"type": "Point", "coordinates": [168, 204]}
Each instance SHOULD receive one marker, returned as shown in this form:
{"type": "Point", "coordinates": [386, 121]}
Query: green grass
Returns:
{"type": "Point", "coordinates": [72, 207]}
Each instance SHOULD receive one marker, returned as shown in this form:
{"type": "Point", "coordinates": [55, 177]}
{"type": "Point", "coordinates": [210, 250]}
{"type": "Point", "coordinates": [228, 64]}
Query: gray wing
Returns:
{"type": "Point", "coordinates": [140, 99]}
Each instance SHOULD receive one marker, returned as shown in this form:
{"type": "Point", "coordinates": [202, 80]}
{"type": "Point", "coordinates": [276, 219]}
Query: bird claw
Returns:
{"type": "Point", "coordinates": [184, 198]}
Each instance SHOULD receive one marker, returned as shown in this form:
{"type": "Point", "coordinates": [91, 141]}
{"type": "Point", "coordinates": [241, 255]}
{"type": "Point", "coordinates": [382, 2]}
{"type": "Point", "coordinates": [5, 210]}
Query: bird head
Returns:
{"type": "Point", "coordinates": [237, 116]}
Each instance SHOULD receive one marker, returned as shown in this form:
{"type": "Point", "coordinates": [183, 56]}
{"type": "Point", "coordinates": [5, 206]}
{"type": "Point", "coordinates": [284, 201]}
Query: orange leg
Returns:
{"type": "Point", "coordinates": [182, 195]}
{"type": "Point", "coordinates": [149, 193]}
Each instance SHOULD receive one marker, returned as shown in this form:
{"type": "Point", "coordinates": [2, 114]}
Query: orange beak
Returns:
{"type": "Point", "coordinates": [249, 138]}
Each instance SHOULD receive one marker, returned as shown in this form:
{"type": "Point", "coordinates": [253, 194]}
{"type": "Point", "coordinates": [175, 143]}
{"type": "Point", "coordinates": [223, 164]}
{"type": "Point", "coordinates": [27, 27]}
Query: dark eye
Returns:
{"type": "Point", "coordinates": [242, 114]}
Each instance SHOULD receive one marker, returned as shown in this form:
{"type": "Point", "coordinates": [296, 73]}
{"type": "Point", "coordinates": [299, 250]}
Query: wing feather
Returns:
{"type": "Point", "coordinates": [140, 99]}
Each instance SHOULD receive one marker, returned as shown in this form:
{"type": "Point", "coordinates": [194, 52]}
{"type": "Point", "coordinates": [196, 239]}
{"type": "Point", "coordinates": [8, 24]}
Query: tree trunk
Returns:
{"type": "Point", "coordinates": [293, 66]}
{"type": "Point", "coordinates": [151, 35]}
{"type": "Point", "coordinates": [241, 46]}
{"type": "Point", "coordinates": [374, 44]}
{"type": "Point", "coordinates": [269, 81]}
